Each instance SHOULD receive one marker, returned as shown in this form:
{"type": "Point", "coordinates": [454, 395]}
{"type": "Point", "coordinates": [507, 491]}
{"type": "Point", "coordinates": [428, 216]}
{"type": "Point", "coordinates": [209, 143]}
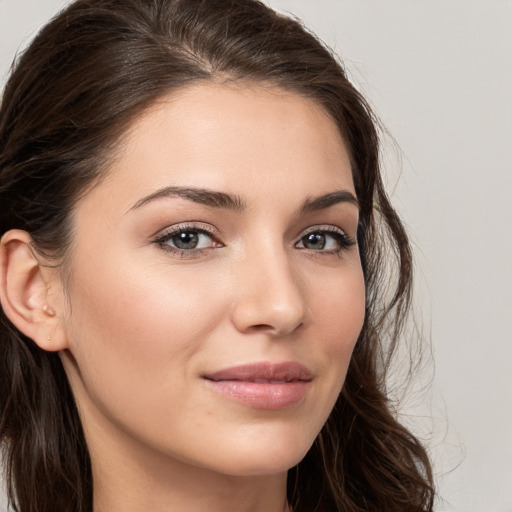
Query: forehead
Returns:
{"type": "Point", "coordinates": [241, 139]}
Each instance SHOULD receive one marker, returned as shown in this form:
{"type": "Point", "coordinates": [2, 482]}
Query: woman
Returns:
{"type": "Point", "coordinates": [196, 253]}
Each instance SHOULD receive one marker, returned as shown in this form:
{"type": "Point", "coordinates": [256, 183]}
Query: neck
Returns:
{"type": "Point", "coordinates": [197, 493]}
{"type": "Point", "coordinates": [129, 479]}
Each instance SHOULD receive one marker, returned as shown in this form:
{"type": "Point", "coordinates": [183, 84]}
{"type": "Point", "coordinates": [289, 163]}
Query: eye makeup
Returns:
{"type": "Point", "coordinates": [192, 240]}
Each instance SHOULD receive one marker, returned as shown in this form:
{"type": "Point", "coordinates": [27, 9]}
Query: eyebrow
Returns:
{"type": "Point", "coordinates": [197, 195]}
{"type": "Point", "coordinates": [327, 200]}
{"type": "Point", "coordinates": [236, 203]}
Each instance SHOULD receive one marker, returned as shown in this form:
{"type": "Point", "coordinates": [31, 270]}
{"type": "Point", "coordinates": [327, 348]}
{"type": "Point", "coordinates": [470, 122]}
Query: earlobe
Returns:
{"type": "Point", "coordinates": [24, 292]}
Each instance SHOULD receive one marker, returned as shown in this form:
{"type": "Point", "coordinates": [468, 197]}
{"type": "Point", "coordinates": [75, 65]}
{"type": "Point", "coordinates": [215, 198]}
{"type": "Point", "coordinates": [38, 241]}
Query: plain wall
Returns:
{"type": "Point", "coordinates": [439, 74]}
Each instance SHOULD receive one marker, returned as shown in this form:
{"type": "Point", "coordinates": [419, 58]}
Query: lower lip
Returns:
{"type": "Point", "coordinates": [264, 395]}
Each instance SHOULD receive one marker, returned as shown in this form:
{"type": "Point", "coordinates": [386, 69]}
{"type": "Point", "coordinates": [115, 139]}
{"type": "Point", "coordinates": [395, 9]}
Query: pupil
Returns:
{"type": "Point", "coordinates": [315, 241]}
{"type": "Point", "coordinates": [186, 240]}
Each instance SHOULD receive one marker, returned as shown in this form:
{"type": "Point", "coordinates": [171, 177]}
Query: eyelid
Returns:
{"type": "Point", "coordinates": [346, 241]}
{"type": "Point", "coordinates": [323, 227]}
{"type": "Point", "coordinates": [199, 227]}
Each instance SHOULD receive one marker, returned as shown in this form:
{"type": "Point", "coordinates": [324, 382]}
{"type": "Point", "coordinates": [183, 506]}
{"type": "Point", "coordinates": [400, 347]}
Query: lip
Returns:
{"type": "Point", "coordinates": [265, 385]}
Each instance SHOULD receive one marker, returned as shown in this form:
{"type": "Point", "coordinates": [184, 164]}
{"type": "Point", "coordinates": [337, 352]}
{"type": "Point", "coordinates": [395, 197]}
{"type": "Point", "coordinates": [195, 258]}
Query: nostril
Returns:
{"type": "Point", "coordinates": [276, 330]}
{"type": "Point", "coordinates": [259, 328]}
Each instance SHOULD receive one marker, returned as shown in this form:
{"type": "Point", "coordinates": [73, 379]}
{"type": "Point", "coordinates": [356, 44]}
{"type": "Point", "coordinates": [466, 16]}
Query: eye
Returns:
{"type": "Point", "coordinates": [187, 240]}
{"type": "Point", "coordinates": [329, 240]}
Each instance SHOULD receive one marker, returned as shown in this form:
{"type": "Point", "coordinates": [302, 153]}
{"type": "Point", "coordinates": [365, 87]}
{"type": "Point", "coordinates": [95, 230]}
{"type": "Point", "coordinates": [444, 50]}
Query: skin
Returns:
{"type": "Point", "coordinates": [138, 326]}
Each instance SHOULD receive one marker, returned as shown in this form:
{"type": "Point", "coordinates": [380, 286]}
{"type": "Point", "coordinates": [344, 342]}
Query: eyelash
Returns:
{"type": "Point", "coordinates": [343, 240]}
{"type": "Point", "coordinates": [170, 233]}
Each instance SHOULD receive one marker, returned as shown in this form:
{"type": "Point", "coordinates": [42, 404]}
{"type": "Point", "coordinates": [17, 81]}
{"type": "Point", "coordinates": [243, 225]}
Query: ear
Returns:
{"type": "Point", "coordinates": [27, 289]}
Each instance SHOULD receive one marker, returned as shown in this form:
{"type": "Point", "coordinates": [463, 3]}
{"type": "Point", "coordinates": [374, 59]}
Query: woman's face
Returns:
{"type": "Point", "coordinates": [215, 290]}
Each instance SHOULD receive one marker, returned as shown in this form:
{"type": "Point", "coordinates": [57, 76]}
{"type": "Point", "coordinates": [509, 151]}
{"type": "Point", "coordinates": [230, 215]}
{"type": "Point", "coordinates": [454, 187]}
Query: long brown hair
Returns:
{"type": "Point", "coordinates": [71, 95]}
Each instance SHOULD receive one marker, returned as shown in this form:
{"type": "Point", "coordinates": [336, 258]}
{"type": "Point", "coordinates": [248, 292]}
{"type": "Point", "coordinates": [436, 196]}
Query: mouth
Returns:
{"type": "Point", "coordinates": [262, 385]}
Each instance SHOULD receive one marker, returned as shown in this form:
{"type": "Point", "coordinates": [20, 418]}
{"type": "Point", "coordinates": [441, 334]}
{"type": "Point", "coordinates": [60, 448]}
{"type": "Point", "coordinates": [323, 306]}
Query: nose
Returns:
{"type": "Point", "coordinates": [270, 296]}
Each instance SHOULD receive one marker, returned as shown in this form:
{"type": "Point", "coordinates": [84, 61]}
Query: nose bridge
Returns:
{"type": "Point", "coordinates": [269, 291]}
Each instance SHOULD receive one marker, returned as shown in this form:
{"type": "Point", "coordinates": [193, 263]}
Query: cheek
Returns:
{"type": "Point", "coordinates": [132, 323]}
{"type": "Point", "coordinates": [340, 310]}
{"type": "Point", "coordinates": [340, 313]}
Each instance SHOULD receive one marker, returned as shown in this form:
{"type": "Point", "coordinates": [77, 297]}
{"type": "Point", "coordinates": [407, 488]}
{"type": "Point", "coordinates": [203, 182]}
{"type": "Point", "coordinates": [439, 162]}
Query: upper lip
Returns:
{"type": "Point", "coordinates": [263, 372]}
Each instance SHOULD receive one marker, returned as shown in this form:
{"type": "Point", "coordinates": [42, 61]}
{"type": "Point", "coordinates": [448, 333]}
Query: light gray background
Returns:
{"type": "Point", "coordinates": [439, 73]}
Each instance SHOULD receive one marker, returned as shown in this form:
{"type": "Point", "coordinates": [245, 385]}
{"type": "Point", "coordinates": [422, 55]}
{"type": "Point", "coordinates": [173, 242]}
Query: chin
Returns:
{"type": "Point", "coordinates": [269, 457]}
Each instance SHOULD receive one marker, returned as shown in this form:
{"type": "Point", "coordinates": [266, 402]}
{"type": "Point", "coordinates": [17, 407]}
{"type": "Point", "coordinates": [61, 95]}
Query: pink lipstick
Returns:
{"type": "Point", "coordinates": [263, 385]}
